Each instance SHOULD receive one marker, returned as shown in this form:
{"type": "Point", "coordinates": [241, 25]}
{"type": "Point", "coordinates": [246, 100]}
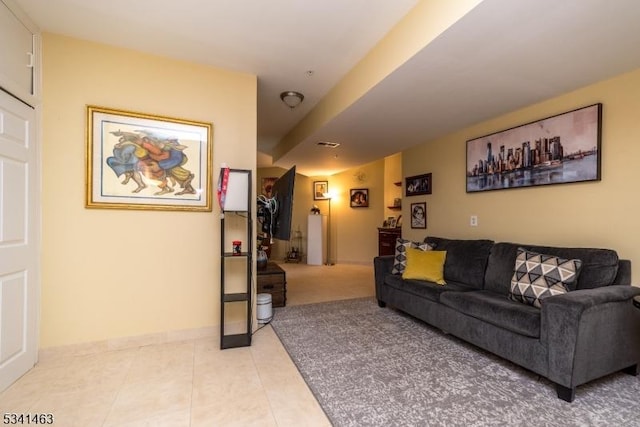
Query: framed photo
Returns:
{"type": "Point", "coordinates": [557, 150]}
{"type": "Point", "coordinates": [359, 198]}
{"type": "Point", "coordinates": [145, 161]}
{"type": "Point", "coordinates": [417, 185]}
{"type": "Point", "coordinates": [320, 188]}
{"type": "Point", "coordinates": [419, 215]}
{"type": "Point", "coordinates": [392, 222]}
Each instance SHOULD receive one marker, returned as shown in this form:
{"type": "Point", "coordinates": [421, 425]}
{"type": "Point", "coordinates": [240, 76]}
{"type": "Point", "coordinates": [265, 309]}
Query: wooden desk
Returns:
{"type": "Point", "coordinates": [273, 280]}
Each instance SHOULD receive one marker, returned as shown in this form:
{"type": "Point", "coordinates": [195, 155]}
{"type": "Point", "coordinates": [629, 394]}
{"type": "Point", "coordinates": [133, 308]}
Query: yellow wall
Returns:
{"type": "Point", "coordinates": [592, 214]}
{"type": "Point", "coordinates": [392, 183]}
{"type": "Point", "coordinates": [118, 273]}
{"type": "Point", "coordinates": [354, 233]}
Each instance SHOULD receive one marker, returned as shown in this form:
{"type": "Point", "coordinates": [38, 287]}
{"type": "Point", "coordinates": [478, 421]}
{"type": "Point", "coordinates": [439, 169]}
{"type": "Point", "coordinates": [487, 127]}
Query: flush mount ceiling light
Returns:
{"type": "Point", "coordinates": [292, 98]}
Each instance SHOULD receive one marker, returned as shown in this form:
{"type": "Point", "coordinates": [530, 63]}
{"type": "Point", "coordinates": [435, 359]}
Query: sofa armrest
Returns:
{"type": "Point", "coordinates": [623, 276]}
{"type": "Point", "coordinates": [382, 265]}
{"type": "Point", "coordinates": [590, 333]}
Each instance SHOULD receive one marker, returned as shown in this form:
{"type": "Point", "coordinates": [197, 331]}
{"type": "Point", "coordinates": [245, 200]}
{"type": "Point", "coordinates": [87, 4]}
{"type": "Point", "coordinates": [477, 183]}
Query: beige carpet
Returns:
{"type": "Point", "coordinates": [308, 284]}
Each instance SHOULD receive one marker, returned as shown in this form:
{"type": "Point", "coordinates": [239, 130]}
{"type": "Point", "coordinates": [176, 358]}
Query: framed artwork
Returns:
{"type": "Point", "coordinates": [417, 185]}
{"type": "Point", "coordinates": [267, 187]}
{"type": "Point", "coordinates": [419, 215]}
{"type": "Point", "coordinates": [144, 161]}
{"type": "Point", "coordinates": [359, 198]}
{"type": "Point", "coordinates": [392, 222]}
{"type": "Point", "coordinates": [560, 149]}
{"type": "Point", "coordinates": [320, 188]}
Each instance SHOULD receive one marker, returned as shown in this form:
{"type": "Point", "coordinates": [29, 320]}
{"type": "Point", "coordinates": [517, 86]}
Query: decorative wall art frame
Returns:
{"type": "Point", "coordinates": [419, 215]}
{"type": "Point", "coordinates": [560, 149]}
{"type": "Point", "coordinates": [392, 222]}
{"type": "Point", "coordinates": [320, 188]}
{"type": "Point", "coordinates": [145, 161]}
{"type": "Point", "coordinates": [418, 185]}
{"type": "Point", "coordinates": [359, 198]}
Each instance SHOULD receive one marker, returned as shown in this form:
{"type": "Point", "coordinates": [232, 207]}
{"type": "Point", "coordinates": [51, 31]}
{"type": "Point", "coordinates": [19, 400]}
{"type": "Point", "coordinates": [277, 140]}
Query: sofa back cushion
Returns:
{"type": "Point", "coordinates": [599, 266]}
{"type": "Point", "coordinates": [466, 260]}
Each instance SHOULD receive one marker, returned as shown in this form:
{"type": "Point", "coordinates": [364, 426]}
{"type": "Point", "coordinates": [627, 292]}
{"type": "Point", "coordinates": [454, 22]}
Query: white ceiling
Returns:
{"type": "Point", "coordinates": [501, 56]}
{"type": "Point", "coordinates": [277, 40]}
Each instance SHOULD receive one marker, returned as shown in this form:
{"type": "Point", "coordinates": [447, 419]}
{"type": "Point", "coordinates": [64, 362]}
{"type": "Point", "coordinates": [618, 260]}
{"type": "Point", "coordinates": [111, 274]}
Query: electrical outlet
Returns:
{"type": "Point", "coordinates": [473, 221]}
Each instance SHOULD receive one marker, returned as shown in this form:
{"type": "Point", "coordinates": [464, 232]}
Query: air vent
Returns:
{"type": "Point", "coordinates": [328, 144]}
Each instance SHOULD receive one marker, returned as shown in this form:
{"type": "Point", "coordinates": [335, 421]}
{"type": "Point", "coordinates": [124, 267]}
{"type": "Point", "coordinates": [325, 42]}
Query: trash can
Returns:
{"type": "Point", "coordinates": [264, 312]}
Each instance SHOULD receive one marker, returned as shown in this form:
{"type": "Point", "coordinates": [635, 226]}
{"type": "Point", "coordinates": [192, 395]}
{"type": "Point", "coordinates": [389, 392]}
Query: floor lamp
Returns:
{"type": "Point", "coordinates": [328, 196]}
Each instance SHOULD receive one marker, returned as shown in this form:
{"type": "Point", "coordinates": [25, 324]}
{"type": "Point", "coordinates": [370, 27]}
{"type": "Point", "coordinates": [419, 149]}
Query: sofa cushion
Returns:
{"type": "Point", "coordinates": [422, 288]}
{"type": "Point", "coordinates": [599, 266]}
{"type": "Point", "coordinates": [425, 265]}
{"type": "Point", "coordinates": [466, 259]}
{"type": "Point", "coordinates": [538, 276]}
{"type": "Point", "coordinates": [400, 260]}
{"type": "Point", "coordinates": [497, 310]}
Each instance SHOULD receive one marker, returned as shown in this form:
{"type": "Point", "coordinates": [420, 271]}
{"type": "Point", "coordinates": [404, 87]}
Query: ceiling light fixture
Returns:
{"type": "Point", "coordinates": [292, 98]}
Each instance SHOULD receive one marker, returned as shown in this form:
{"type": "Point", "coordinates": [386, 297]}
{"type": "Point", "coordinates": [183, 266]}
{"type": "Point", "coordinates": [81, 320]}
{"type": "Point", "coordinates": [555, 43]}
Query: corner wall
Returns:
{"type": "Point", "coordinates": [590, 214]}
{"type": "Point", "coordinates": [117, 273]}
{"type": "Point", "coordinates": [354, 231]}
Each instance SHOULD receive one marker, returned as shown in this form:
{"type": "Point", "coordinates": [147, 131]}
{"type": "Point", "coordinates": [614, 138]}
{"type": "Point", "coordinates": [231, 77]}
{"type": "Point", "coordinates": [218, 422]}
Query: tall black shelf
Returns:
{"type": "Point", "coordinates": [241, 339]}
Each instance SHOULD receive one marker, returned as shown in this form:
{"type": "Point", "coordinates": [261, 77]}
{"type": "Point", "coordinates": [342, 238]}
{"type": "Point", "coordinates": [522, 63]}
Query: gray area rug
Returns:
{"type": "Point", "coordinates": [370, 366]}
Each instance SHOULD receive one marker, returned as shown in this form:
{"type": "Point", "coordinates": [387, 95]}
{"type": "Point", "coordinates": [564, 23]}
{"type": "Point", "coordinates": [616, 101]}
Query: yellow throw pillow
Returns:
{"type": "Point", "coordinates": [425, 265]}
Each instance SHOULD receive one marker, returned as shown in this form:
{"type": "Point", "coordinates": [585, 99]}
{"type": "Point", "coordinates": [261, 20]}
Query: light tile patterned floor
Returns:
{"type": "Point", "coordinates": [192, 382]}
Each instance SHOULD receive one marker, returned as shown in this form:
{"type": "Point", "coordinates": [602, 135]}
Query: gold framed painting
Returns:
{"type": "Point", "coordinates": [146, 161]}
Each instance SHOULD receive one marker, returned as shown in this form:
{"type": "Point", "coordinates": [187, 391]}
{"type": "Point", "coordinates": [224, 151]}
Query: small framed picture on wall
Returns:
{"type": "Point", "coordinates": [359, 198]}
{"type": "Point", "coordinates": [419, 215]}
{"type": "Point", "coordinates": [320, 190]}
{"type": "Point", "coordinates": [417, 185]}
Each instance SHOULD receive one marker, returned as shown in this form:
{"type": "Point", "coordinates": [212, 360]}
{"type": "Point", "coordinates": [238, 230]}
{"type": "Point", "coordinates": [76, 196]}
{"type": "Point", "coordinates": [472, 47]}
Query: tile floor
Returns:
{"type": "Point", "coordinates": [190, 382]}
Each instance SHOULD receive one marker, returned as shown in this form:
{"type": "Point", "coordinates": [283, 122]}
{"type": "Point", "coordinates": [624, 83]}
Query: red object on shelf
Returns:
{"type": "Point", "coordinates": [237, 247]}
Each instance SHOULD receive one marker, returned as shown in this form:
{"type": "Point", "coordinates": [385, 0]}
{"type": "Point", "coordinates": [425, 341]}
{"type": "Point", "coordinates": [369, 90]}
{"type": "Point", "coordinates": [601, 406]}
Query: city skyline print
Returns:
{"type": "Point", "coordinates": [560, 149]}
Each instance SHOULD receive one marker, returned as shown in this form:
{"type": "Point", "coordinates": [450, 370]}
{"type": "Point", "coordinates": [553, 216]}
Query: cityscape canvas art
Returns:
{"type": "Point", "coordinates": [560, 149]}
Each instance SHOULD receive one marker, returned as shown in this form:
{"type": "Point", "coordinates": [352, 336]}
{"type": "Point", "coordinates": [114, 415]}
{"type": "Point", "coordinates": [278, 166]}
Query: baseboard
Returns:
{"type": "Point", "coordinates": [114, 344]}
{"type": "Point", "coordinates": [345, 262]}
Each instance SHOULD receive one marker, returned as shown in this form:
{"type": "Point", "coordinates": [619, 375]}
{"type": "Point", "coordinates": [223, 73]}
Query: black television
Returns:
{"type": "Point", "coordinates": [277, 212]}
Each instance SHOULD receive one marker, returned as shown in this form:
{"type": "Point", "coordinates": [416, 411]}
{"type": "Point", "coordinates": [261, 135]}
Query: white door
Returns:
{"type": "Point", "coordinates": [19, 239]}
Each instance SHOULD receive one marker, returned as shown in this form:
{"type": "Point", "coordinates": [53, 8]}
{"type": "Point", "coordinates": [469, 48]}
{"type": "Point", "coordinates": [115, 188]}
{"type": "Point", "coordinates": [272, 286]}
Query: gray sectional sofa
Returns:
{"type": "Point", "coordinates": [573, 338]}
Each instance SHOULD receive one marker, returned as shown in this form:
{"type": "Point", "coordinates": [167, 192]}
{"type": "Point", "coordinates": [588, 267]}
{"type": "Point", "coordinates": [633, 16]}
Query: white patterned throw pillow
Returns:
{"type": "Point", "coordinates": [400, 260]}
{"type": "Point", "coordinates": [538, 276]}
